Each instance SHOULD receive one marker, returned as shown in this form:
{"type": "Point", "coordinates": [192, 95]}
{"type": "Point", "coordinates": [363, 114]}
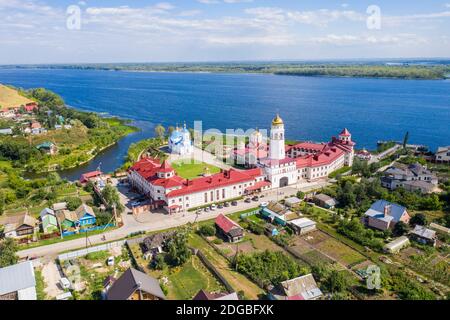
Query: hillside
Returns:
{"type": "Point", "coordinates": [10, 98]}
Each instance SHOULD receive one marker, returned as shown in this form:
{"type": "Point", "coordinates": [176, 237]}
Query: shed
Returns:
{"type": "Point", "coordinates": [325, 201]}
{"type": "Point", "coordinates": [18, 282]}
{"type": "Point", "coordinates": [439, 229]}
{"type": "Point", "coordinates": [302, 225]}
{"type": "Point", "coordinates": [292, 202]}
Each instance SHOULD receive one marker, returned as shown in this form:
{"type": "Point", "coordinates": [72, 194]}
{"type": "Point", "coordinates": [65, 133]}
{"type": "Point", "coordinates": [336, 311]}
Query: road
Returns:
{"type": "Point", "coordinates": [158, 221]}
{"type": "Point", "coordinates": [384, 154]}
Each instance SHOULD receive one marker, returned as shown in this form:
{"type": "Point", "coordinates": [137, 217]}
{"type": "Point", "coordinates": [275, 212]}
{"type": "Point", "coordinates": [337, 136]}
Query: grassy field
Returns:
{"type": "Point", "coordinates": [193, 170]}
{"type": "Point", "coordinates": [238, 281]}
{"type": "Point", "coordinates": [10, 98]}
{"type": "Point", "coordinates": [187, 281]}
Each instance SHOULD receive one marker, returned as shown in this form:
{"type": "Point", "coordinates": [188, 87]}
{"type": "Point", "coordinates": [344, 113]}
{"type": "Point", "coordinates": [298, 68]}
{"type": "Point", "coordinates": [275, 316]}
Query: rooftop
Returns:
{"type": "Point", "coordinates": [17, 277]}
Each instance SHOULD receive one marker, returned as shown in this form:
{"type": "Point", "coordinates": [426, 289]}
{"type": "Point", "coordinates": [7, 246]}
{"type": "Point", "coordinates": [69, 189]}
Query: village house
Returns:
{"type": "Point", "coordinates": [59, 206]}
{"type": "Point", "coordinates": [135, 285]}
{"type": "Point", "coordinates": [202, 295]}
{"type": "Point", "coordinates": [383, 215]}
{"type": "Point", "coordinates": [275, 212]}
{"type": "Point", "coordinates": [67, 220]}
{"type": "Point", "coordinates": [228, 229]}
{"type": "Point", "coordinates": [156, 243]}
{"type": "Point", "coordinates": [396, 245]}
{"type": "Point", "coordinates": [49, 222]}
{"type": "Point", "coordinates": [301, 288]}
{"type": "Point", "coordinates": [442, 155]}
{"type": "Point", "coordinates": [292, 202]}
{"type": "Point", "coordinates": [302, 226]}
{"type": "Point", "coordinates": [47, 148]}
{"type": "Point", "coordinates": [85, 215]}
{"type": "Point", "coordinates": [25, 225]}
{"type": "Point", "coordinates": [324, 201]}
{"type": "Point", "coordinates": [423, 235]}
{"type": "Point", "coordinates": [18, 282]}
{"type": "Point", "coordinates": [414, 177]}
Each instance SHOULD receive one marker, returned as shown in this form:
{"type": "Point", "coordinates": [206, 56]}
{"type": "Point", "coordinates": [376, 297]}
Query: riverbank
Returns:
{"type": "Point", "coordinates": [413, 70]}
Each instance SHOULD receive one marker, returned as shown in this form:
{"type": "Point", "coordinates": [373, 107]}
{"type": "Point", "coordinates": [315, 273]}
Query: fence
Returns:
{"type": "Point", "coordinates": [84, 252]}
{"type": "Point", "coordinates": [251, 213]}
{"type": "Point", "coordinates": [213, 270]}
{"type": "Point", "coordinates": [70, 233]}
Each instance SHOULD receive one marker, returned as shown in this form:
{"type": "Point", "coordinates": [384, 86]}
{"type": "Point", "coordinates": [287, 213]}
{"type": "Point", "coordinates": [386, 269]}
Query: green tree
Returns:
{"type": "Point", "coordinates": [111, 197]}
{"type": "Point", "coordinates": [336, 282]}
{"type": "Point", "coordinates": [160, 131]}
{"type": "Point", "coordinates": [419, 219]}
{"type": "Point", "coordinates": [178, 250]}
{"type": "Point", "coordinates": [73, 203]}
{"type": "Point", "coordinates": [170, 129]}
{"type": "Point", "coordinates": [160, 262]}
{"type": "Point", "coordinates": [8, 249]}
{"type": "Point", "coordinates": [405, 139]}
{"type": "Point", "coordinates": [400, 228]}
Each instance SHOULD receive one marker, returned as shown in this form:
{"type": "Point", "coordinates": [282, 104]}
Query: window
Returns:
{"type": "Point", "coordinates": [206, 197]}
{"type": "Point", "coordinates": [223, 193]}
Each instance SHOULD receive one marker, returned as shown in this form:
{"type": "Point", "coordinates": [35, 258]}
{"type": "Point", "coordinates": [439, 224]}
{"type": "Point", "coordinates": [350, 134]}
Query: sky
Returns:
{"type": "Point", "coordinates": [112, 31]}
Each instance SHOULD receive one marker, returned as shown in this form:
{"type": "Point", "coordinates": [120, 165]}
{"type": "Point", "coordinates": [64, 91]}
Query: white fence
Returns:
{"type": "Point", "coordinates": [84, 252]}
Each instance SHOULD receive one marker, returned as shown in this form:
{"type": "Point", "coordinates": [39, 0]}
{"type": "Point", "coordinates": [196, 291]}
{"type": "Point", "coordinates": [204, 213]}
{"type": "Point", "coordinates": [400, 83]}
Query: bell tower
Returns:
{"type": "Point", "coordinates": [277, 146]}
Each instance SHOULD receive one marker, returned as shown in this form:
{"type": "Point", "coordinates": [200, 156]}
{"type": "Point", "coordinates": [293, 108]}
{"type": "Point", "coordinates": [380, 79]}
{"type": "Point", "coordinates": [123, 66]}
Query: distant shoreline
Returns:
{"type": "Point", "coordinates": [375, 70]}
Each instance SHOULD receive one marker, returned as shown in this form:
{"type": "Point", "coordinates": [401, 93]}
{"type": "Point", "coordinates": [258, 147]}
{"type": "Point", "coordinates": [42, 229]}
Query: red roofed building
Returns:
{"type": "Point", "coordinates": [228, 229]}
{"type": "Point", "coordinates": [88, 176]}
{"type": "Point", "coordinates": [160, 183]}
{"type": "Point", "coordinates": [30, 107]}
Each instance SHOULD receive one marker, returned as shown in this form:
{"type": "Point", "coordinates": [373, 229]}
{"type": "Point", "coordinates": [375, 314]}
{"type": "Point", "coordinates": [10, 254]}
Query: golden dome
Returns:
{"type": "Point", "coordinates": [277, 120]}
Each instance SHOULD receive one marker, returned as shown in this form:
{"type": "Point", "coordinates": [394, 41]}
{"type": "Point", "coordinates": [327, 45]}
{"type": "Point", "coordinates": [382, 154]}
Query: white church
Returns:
{"type": "Point", "coordinates": [180, 141]}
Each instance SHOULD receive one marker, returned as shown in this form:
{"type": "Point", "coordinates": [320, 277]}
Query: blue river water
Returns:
{"type": "Point", "coordinates": [313, 108]}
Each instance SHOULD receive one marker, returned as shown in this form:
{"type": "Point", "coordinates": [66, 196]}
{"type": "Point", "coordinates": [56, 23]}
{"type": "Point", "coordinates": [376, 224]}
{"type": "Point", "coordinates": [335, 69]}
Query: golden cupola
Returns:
{"type": "Point", "coordinates": [277, 120]}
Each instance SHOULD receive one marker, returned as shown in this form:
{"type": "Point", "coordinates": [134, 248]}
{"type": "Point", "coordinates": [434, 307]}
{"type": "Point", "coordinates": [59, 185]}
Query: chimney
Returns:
{"type": "Point", "coordinates": [387, 210]}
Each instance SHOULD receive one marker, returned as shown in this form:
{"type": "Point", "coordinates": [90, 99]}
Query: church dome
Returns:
{"type": "Point", "coordinates": [277, 120]}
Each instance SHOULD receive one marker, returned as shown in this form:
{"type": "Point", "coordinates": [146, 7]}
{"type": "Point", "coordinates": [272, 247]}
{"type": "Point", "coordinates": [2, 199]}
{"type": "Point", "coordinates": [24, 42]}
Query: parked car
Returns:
{"type": "Point", "coordinates": [135, 203]}
{"type": "Point", "coordinates": [226, 204]}
{"type": "Point", "coordinates": [206, 209]}
{"type": "Point", "coordinates": [255, 198]}
{"type": "Point", "coordinates": [110, 261]}
{"type": "Point", "coordinates": [248, 200]}
{"type": "Point", "coordinates": [264, 204]}
{"type": "Point", "coordinates": [213, 207]}
{"type": "Point", "coordinates": [220, 206]}
{"type": "Point", "coordinates": [234, 203]}
{"type": "Point", "coordinates": [64, 283]}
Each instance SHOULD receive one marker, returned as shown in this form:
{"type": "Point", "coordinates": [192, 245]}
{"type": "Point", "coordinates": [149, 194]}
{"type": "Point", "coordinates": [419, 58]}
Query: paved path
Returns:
{"type": "Point", "coordinates": [159, 221]}
{"type": "Point", "coordinates": [384, 154]}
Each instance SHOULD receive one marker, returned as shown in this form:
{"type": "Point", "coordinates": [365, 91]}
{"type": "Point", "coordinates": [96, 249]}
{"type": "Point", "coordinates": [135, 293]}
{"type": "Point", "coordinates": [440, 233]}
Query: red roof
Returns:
{"type": "Point", "coordinates": [165, 167]}
{"type": "Point", "coordinates": [214, 181]}
{"type": "Point", "coordinates": [88, 175]}
{"type": "Point", "coordinates": [259, 185]}
{"type": "Point", "coordinates": [328, 154]}
{"type": "Point", "coordinates": [225, 223]}
{"type": "Point", "coordinates": [345, 133]}
{"type": "Point", "coordinates": [308, 146]}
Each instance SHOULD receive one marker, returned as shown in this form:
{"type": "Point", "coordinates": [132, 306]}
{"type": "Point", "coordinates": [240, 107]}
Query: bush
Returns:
{"type": "Point", "coordinates": [255, 228]}
{"type": "Point", "coordinates": [207, 230]}
{"type": "Point", "coordinates": [73, 203]}
{"type": "Point", "coordinates": [217, 241]}
{"type": "Point", "coordinates": [268, 267]}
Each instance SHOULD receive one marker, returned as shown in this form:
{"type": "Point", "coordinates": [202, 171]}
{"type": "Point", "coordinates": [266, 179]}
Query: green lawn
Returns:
{"type": "Point", "coordinates": [187, 281]}
{"type": "Point", "coordinates": [193, 170]}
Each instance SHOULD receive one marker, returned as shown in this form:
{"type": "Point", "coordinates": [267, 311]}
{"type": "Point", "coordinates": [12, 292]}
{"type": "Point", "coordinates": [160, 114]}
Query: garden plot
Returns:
{"type": "Point", "coordinates": [88, 273]}
{"type": "Point", "coordinates": [328, 249]}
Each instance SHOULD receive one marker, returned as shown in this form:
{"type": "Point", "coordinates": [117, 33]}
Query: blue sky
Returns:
{"type": "Point", "coordinates": [35, 31]}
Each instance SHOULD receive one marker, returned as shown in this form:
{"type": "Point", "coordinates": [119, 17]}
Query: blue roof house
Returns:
{"type": "Point", "coordinates": [384, 215]}
{"type": "Point", "coordinates": [86, 215]}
